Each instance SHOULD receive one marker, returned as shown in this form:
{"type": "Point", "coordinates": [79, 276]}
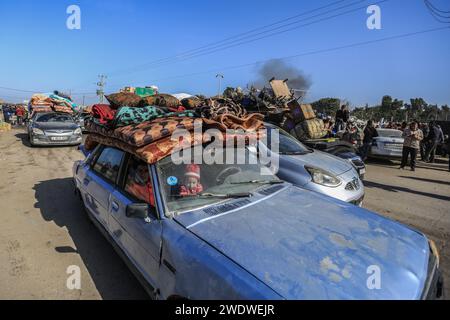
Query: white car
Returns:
{"type": "Point", "coordinates": [388, 144]}
{"type": "Point", "coordinates": [315, 170]}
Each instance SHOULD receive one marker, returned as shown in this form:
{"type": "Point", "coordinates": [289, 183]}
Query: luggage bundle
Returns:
{"type": "Point", "coordinates": [309, 129]}
{"type": "Point", "coordinates": [280, 107]}
{"type": "Point", "coordinates": [301, 112]}
{"type": "Point", "coordinates": [52, 102]}
{"type": "Point", "coordinates": [128, 99]}
{"type": "Point", "coordinates": [144, 126]}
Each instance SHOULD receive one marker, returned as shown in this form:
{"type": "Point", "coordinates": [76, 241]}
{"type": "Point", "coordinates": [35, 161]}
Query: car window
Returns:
{"type": "Point", "coordinates": [54, 118]}
{"type": "Point", "coordinates": [182, 185]}
{"type": "Point", "coordinates": [287, 144]}
{"type": "Point", "coordinates": [138, 182]}
{"type": "Point", "coordinates": [108, 163]}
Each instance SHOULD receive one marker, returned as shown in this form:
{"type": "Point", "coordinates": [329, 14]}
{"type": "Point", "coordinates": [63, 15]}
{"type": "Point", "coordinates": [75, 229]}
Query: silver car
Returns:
{"type": "Point", "coordinates": [54, 129]}
{"type": "Point", "coordinates": [388, 144]}
{"type": "Point", "coordinates": [315, 170]}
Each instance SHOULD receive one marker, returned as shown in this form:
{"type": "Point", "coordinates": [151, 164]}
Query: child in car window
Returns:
{"type": "Point", "coordinates": [192, 185]}
{"type": "Point", "coordinates": [139, 184]}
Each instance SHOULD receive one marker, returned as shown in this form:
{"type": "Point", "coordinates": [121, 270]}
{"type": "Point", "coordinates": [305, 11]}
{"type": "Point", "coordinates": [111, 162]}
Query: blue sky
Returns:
{"type": "Point", "coordinates": [38, 52]}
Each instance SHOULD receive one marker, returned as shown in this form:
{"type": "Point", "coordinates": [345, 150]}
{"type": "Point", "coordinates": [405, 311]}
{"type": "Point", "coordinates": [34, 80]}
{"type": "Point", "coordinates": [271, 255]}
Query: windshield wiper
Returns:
{"type": "Point", "coordinates": [214, 195]}
{"type": "Point", "coordinates": [298, 153]}
{"type": "Point", "coordinates": [226, 196]}
{"type": "Point", "coordinates": [259, 182]}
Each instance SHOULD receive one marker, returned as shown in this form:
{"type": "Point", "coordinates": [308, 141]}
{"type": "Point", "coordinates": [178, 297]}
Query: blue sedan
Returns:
{"type": "Point", "coordinates": [237, 232]}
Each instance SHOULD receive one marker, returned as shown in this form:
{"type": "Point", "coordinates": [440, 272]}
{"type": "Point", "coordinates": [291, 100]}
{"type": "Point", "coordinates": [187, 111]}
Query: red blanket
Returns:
{"type": "Point", "coordinates": [103, 113]}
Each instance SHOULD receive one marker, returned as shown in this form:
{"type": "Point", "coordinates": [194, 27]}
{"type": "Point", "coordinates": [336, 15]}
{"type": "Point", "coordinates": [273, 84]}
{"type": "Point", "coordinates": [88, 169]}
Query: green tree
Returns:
{"type": "Point", "coordinates": [418, 105]}
{"type": "Point", "coordinates": [327, 106]}
{"type": "Point", "coordinates": [386, 103]}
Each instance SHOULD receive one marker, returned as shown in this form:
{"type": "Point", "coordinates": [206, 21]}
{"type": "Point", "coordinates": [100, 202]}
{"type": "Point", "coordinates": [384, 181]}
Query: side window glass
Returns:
{"type": "Point", "coordinates": [138, 182]}
{"type": "Point", "coordinates": [108, 164]}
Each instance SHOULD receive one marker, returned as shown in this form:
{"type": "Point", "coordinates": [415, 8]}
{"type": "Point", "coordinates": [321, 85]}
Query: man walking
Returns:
{"type": "Point", "coordinates": [423, 144]}
{"type": "Point", "coordinates": [413, 135]}
{"type": "Point", "coordinates": [20, 113]}
{"type": "Point", "coordinates": [435, 137]}
{"type": "Point", "coordinates": [369, 133]}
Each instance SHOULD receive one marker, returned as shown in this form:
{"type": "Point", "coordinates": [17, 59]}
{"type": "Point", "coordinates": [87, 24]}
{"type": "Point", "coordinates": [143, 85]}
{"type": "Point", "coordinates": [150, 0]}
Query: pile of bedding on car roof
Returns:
{"type": "Point", "coordinates": [144, 126]}
{"type": "Point", "coordinates": [52, 102]}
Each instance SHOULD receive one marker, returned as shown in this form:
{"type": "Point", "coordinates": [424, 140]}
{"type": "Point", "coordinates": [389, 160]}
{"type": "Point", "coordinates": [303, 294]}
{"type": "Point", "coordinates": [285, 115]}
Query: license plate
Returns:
{"type": "Point", "coordinates": [58, 138]}
{"type": "Point", "coordinates": [362, 171]}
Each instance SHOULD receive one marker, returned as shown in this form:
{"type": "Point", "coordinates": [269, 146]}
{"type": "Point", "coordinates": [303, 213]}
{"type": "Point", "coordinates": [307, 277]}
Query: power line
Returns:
{"type": "Point", "coordinates": [235, 36]}
{"type": "Point", "coordinates": [227, 43]}
{"type": "Point", "coordinates": [19, 90]}
{"type": "Point", "coordinates": [280, 32]}
{"type": "Point", "coordinates": [283, 31]}
{"type": "Point", "coordinates": [36, 91]}
{"type": "Point", "coordinates": [310, 53]}
{"type": "Point", "coordinates": [438, 17]}
{"type": "Point", "coordinates": [251, 39]}
{"type": "Point", "coordinates": [435, 8]}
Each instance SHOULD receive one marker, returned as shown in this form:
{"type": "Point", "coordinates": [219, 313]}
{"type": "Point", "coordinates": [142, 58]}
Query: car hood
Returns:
{"type": "Point", "coordinates": [322, 160]}
{"type": "Point", "coordinates": [56, 126]}
{"type": "Point", "coordinates": [305, 245]}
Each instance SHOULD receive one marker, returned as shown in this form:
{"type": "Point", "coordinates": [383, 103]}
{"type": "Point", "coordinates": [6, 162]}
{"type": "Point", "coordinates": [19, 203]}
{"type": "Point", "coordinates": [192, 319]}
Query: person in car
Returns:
{"type": "Point", "coordinates": [140, 185]}
{"type": "Point", "coordinates": [192, 185]}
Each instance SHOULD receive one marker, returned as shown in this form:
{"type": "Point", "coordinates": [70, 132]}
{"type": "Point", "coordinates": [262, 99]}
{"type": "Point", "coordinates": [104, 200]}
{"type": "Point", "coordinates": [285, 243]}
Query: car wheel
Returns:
{"type": "Point", "coordinates": [31, 142]}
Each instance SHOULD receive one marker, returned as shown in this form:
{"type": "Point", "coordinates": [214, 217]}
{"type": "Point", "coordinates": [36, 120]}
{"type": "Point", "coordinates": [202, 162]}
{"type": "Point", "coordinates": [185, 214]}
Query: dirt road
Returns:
{"type": "Point", "coordinates": [43, 230]}
{"type": "Point", "coordinates": [420, 199]}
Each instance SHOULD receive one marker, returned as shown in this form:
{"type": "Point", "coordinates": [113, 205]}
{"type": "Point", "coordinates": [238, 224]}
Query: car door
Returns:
{"type": "Point", "coordinates": [140, 238]}
{"type": "Point", "coordinates": [99, 183]}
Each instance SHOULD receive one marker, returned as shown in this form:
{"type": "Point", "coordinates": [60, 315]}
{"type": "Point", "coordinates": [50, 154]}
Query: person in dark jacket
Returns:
{"type": "Point", "coordinates": [435, 137]}
{"type": "Point", "coordinates": [342, 117]}
{"type": "Point", "coordinates": [369, 133]}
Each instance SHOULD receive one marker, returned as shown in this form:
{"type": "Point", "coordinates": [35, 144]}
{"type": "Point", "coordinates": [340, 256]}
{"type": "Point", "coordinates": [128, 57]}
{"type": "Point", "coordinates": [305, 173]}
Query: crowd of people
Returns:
{"type": "Point", "coordinates": [15, 115]}
{"type": "Point", "coordinates": [419, 138]}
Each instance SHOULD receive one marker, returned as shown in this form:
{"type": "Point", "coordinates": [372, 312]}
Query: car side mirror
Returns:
{"type": "Point", "coordinates": [138, 210]}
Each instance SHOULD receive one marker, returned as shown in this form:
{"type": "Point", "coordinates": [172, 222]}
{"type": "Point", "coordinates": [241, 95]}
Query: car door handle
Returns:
{"type": "Point", "coordinates": [115, 206]}
{"type": "Point", "coordinates": [86, 181]}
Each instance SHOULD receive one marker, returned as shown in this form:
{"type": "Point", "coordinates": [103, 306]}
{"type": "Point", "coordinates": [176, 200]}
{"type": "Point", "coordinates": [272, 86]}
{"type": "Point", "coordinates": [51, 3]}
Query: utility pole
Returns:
{"type": "Point", "coordinates": [220, 78]}
{"type": "Point", "coordinates": [101, 87]}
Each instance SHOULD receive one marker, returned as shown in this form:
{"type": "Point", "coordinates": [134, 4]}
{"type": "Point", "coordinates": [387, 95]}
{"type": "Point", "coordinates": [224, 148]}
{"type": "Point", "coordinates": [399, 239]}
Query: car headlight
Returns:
{"type": "Point", "coordinates": [435, 251]}
{"type": "Point", "coordinates": [78, 132]}
{"type": "Point", "coordinates": [38, 131]}
{"type": "Point", "coordinates": [324, 178]}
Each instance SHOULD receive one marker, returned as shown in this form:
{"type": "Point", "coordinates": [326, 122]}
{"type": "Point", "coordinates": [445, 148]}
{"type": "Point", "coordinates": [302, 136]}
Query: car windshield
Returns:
{"type": "Point", "coordinates": [288, 145]}
{"type": "Point", "coordinates": [189, 187]}
{"type": "Point", "coordinates": [390, 133]}
{"type": "Point", "coordinates": [54, 118]}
